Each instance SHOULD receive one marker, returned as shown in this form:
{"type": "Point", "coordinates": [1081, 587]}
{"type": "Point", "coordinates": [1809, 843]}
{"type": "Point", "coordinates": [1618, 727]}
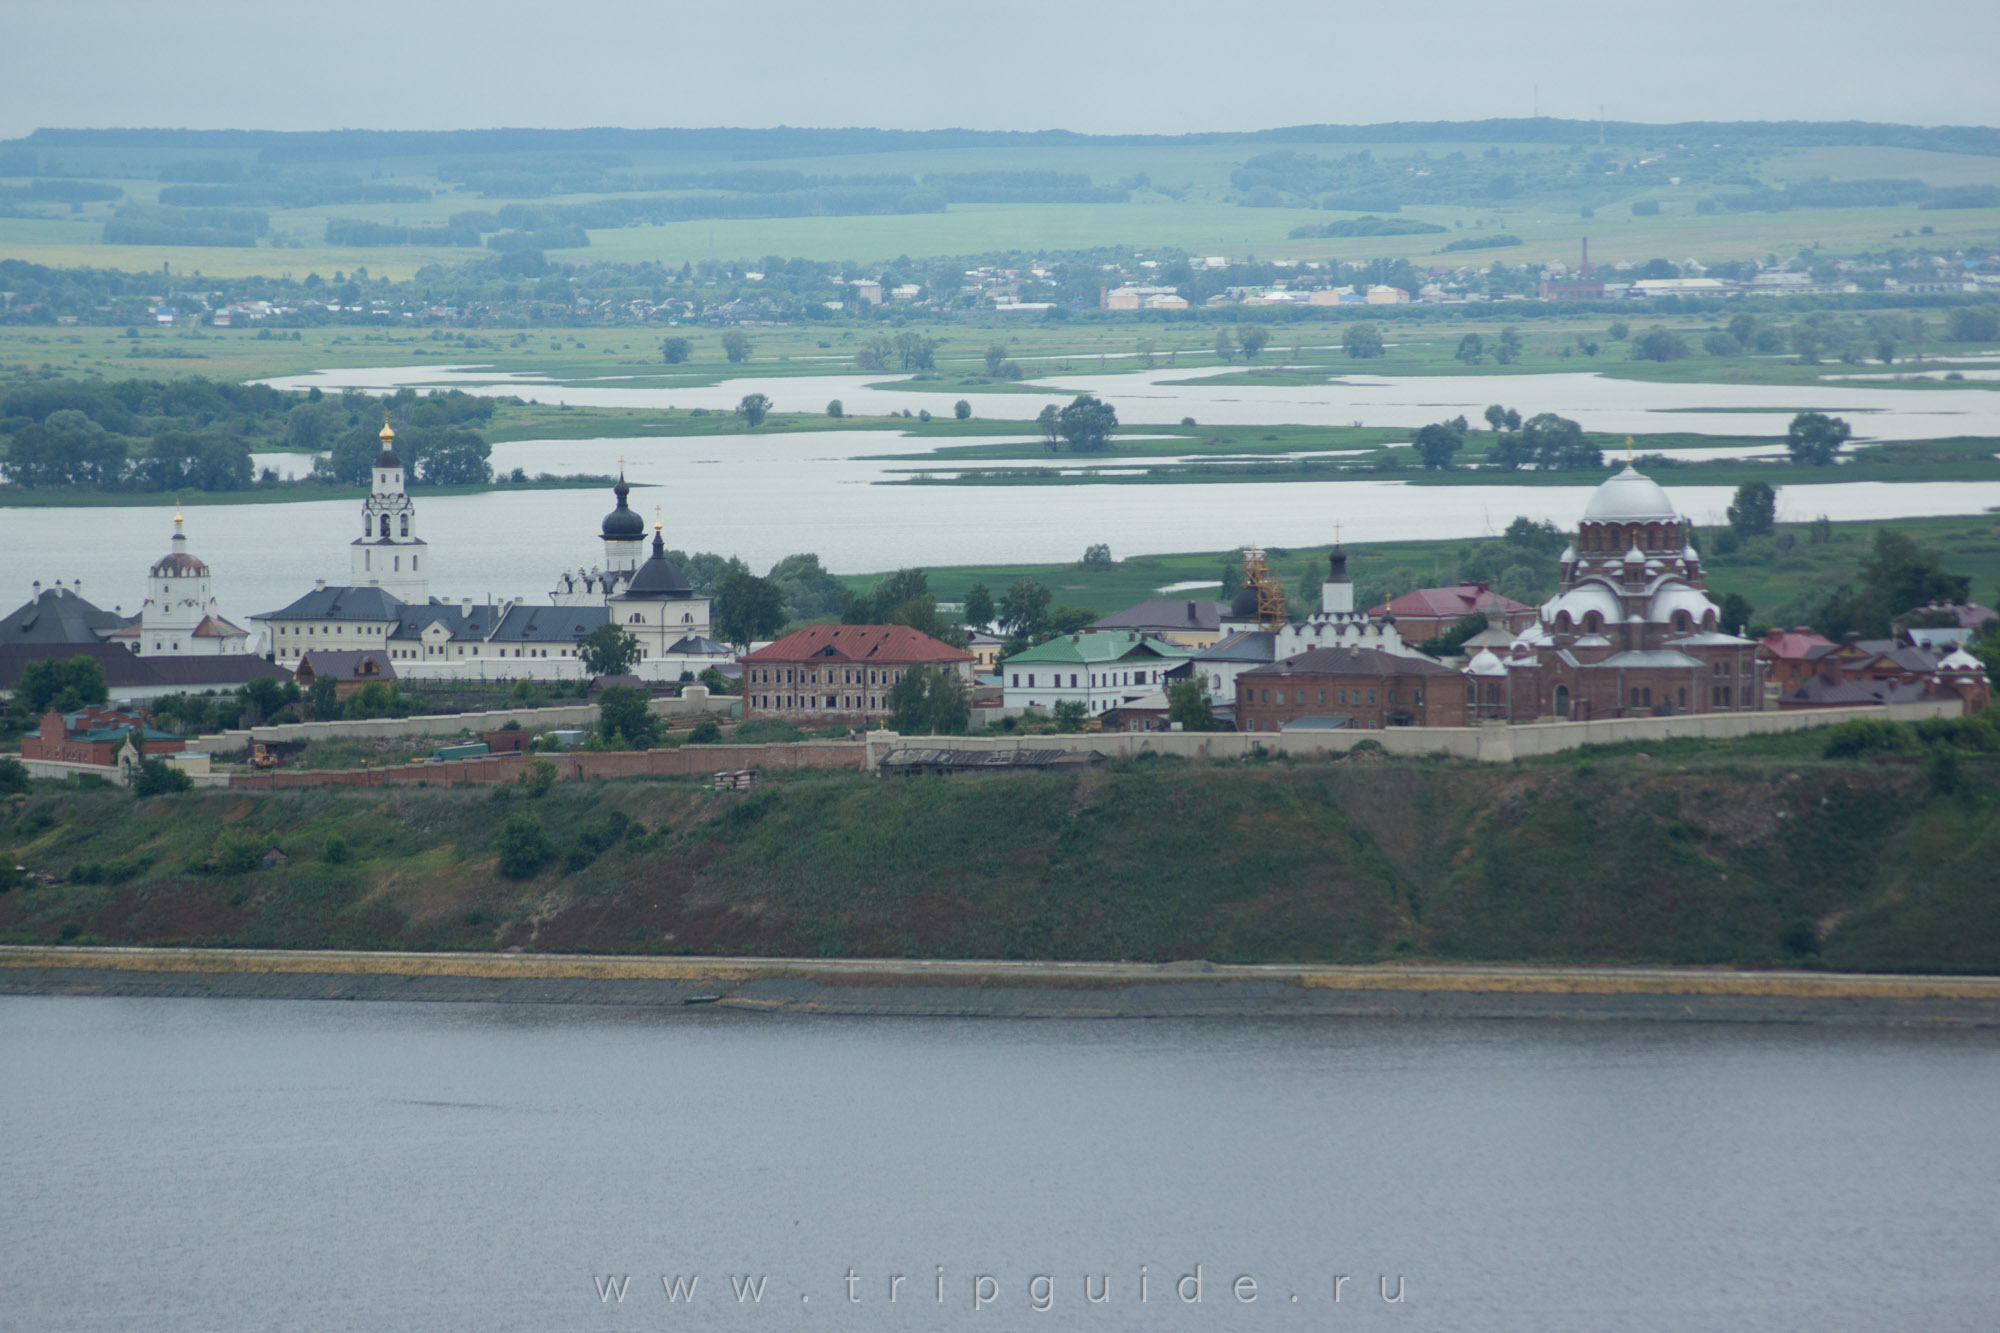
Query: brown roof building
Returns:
{"type": "Point", "coordinates": [841, 672]}
{"type": "Point", "coordinates": [1429, 612]}
{"type": "Point", "coordinates": [1361, 688]}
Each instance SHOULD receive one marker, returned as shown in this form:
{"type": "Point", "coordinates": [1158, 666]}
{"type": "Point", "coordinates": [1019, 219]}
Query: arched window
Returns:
{"type": "Point", "coordinates": [1592, 622]}
{"type": "Point", "coordinates": [1681, 623]}
{"type": "Point", "coordinates": [368, 525]}
{"type": "Point", "coordinates": [1562, 622]}
{"type": "Point", "coordinates": [406, 525]}
{"type": "Point", "coordinates": [1561, 701]}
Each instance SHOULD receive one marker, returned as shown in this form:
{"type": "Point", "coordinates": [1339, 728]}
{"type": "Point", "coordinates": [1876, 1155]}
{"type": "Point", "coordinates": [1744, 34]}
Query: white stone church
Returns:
{"type": "Point", "coordinates": [387, 605]}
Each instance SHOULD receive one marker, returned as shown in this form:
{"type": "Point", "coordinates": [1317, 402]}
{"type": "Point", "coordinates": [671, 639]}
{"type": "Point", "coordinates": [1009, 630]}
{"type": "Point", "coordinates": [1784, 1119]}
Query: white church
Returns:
{"type": "Point", "coordinates": [180, 617]}
{"type": "Point", "coordinates": [387, 604]}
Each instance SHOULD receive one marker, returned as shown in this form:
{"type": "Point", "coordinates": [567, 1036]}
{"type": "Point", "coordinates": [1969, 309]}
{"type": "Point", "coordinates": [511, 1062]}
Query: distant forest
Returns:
{"type": "Point", "coordinates": [279, 146]}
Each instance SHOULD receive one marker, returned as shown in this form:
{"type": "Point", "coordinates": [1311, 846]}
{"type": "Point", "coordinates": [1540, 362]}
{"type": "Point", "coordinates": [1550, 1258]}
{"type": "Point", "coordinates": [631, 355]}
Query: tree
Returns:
{"type": "Point", "coordinates": [996, 357]}
{"type": "Point", "coordinates": [266, 695]}
{"type": "Point", "coordinates": [1363, 342]}
{"type": "Point", "coordinates": [1225, 345]}
{"type": "Point", "coordinates": [1508, 351]}
{"type": "Point", "coordinates": [323, 699]}
{"type": "Point", "coordinates": [962, 410]}
{"type": "Point", "coordinates": [65, 684]}
{"type": "Point", "coordinates": [835, 410]}
{"type": "Point", "coordinates": [1437, 442]}
{"type": "Point", "coordinates": [1736, 613]}
{"type": "Point", "coordinates": [1500, 418]}
{"type": "Point", "coordinates": [978, 606]}
{"type": "Point", "coordinates": [1619, 331]}
{"type": "Point", "coordinates": [1087, 424]}
{"type": "Point", "coordinates": [809, 591]}
{"type": "Point", "coordinates": [676, 350]}
{"type": "Point", "coordinates": [523, 845]}
{"type": "Point", "coordinates": [736, 346]}
{"type": "Point", "coordinates": [1071, 714]}
{"type": "Point", "coordinates": [1973, 323]}
{"type": "Point", "coordinates": [875, 354]}
{"type": "Point", "coordinates": [1557, 443]}
{"type": "Point", "coordinates": [753, 409]}
{"type": "Point", "coordinates": [1049, 422]}
{"type": "Point", "coordinates": [1814, 438]}
{"type": "Point", "coordinates": [1024, 610]}
{"type": "Point", "coordinates": [1754, 511]}
{"type": "Point", "coordinates": [624, 722]}
{"type": "Point", "coordinates": [1253, 341]}
{"type": "Point", "coordinates": [607, 650]}
{"type": "Point", "coordinates": [928, 700]}
{"type": "Point", "coordinates": [157, 777]}
{"type": "Point", "coordinates": [1659, 344]}
{"type": "Point", "coordinates": [747, 608]}
{"type": "Point", "coordinates": [1721, 344]}
{"type": "Point", "coordinates": [1471, 349]}
{"type": "Point", "coordinates": [1188, 704]}
{"type": "Point", "coordinates": [1097, 556]}
{"type": "Point", "coordinates": [916, 352]}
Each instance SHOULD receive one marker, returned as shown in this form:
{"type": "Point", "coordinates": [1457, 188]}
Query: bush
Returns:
{"type": "Point", "coordinates": [537, 778]}
{"type": "Point", "coordinates": [1862, 735]}
{"type": "Point", "coordinates": [523, 845]}
{"type": "Point", "coordinates": [705, 732]}
{"type": "Point", "coordinates": [157, 777]}
{"type": "Point", "coordinates": [334, 850]}
{"type": "Point", "coordinates": [13, 775]}
{"type": "Point", "coordinates": [235, 854]}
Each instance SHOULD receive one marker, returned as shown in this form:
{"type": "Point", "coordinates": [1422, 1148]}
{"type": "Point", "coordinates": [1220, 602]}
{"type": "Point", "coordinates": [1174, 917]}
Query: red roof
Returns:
{"type": "Point", "coordinates": [1793, 645]}
{"type": "Point", "coordinates": [859, 643]}
{"type": "Point", "coordinates": [1462, 600]}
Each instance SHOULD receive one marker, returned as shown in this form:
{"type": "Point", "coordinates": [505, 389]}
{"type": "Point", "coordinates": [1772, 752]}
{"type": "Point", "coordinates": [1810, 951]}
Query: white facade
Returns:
{"type": "Point", "coordinates": [389, 554]}
{"type": "Point", "coordinates": [180, 617]}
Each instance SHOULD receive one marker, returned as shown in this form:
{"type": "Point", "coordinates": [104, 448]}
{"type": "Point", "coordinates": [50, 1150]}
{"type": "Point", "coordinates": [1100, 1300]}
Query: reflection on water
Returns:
{"type": "Point", "coordinates": [223, 1165]}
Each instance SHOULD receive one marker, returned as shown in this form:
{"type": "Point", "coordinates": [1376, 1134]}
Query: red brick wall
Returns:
{"type": "Point", "coordinates": [687, 761]}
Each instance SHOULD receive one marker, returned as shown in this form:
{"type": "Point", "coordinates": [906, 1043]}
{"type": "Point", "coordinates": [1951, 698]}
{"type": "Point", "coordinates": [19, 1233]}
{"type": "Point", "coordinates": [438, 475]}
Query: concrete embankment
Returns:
{"type": "Point", "coordinates": [998, 989]}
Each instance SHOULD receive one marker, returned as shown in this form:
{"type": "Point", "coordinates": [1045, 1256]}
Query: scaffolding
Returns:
{"type": "Point", "coordinates": [1270, 594]}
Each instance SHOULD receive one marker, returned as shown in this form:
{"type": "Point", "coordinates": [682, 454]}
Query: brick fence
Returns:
{"type": "Point", "coordinates": [687, 761]}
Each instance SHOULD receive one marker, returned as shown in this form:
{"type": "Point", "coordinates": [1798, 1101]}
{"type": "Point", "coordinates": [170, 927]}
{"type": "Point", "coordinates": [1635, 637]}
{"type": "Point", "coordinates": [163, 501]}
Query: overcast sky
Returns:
{"type": "Point", "coordinates": [1164, 67]}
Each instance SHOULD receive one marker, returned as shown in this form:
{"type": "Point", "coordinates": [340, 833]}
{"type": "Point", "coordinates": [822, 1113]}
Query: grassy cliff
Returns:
{"type": "Point", "coordinates": [1691, 854]}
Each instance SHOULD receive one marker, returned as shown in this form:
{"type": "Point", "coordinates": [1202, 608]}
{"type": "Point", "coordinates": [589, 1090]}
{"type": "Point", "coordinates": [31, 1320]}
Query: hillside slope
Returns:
{"type": "Point", "coordinates": [1708, 856]}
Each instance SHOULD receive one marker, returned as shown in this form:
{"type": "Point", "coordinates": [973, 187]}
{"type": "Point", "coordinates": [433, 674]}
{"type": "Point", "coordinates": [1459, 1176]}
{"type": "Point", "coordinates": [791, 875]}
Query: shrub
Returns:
{"type": "Point", "coordinates": [537, 778]}
{"type": "Point", "coordinates": [1861, 735]}
{"type": "Point", "coordinates": [157, 777]}
{"type": "Point", "coordinates": [235, 854]}
{"type": "Point", "coordinates": [334, 850]}
{"type": "Point", "coordinates": [523, 845]}
{"type": "Point", "coordinates": [705, 732]}
{"type": "Point", "coordinates": [13, 775]}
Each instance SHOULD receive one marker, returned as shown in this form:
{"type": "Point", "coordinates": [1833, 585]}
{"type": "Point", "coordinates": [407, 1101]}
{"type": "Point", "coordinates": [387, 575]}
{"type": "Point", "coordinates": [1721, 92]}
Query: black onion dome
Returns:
{"type": "Point", "coordinates": [1244, 607]}
{"type": "Point", "coordinates": [621, 524]}
{"type": "Point", "coordinates": [658, 577]}
{"type": "Point", "coordinates": [1336, 565]}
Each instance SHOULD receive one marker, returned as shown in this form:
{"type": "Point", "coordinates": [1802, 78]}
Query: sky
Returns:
{"type": "Point", "coordinates": [1166, 67]}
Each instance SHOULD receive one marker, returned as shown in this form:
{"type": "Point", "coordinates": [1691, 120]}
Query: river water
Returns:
{"type": "Point", "coordinates": [763, 497]}
{"type": "Point", "coordinates": [236, 1165]}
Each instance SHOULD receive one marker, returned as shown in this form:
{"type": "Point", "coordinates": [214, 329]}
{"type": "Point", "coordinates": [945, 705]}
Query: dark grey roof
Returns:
{"type": "Point", "coordinates": [1352, 662]}
{"type": "Point", "coordinates": [658, 578]}
{"type": "Point", "coordinates": [126, 670]}
{"type": "Point", "coordinates": [59, 615]}
{"type": "Point", "coordinates": [1820, 692]}
{"type": "Point", "coordinates": [1166, 613]}
{"type": "Point", "coordinates": [476, 623]}
{"type": "Point", "coordinates": [1251, 645]}
{"type": "Point", "coordinates": [548, 624]}
{"type": "Point", "coordinates": [348, 663]}
{"type": "Point", "coordinates": [341, 603]}
{"type": "Point", "coordinates": [695, 643]}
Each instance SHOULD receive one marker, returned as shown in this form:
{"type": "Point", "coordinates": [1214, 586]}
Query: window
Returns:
{"type": "Point", "coordinates": [1417, 698]}
{"type": "Point", "coordinates": [1322, 696]}
{"type": "Point", "coordinates": [1371, 698]}
{"type": "Point", "coordinates": [406, 525]}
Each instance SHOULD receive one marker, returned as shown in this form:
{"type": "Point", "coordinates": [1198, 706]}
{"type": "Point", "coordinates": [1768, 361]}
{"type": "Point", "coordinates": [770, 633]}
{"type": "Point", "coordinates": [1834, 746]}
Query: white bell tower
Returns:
{"type": "Point", "coordinates": [388, 554]}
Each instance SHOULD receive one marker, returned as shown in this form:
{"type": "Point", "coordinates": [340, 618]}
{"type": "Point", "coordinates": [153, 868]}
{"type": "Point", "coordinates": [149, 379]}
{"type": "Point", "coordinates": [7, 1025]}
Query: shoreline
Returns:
{"type": "Point", "coordinates": [1006, 989]}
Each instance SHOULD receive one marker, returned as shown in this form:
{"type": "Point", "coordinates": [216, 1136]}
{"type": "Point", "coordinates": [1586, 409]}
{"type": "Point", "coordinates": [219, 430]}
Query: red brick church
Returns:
{"type": "Point", "coordinates": [1630, 631]}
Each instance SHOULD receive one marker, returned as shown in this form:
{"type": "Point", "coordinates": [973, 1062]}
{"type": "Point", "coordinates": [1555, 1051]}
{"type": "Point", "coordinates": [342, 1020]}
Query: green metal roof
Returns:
{"type": "Point", "coordinates": [1093, 647]}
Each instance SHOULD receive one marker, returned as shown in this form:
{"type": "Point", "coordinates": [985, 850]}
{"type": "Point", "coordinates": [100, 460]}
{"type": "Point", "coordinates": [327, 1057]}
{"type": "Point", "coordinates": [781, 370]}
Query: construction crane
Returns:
{"type": "Point", "coordinates": [1270, 594]}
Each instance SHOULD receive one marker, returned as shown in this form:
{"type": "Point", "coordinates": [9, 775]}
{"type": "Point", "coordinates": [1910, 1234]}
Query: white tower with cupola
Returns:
{"type": "Point", "coordinates": [179, 618]}
{"type": "Point", "coordinates": [388, 554]}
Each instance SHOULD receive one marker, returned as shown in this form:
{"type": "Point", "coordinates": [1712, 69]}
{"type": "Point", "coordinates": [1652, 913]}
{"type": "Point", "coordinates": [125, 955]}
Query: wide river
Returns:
{"type": "Point", "coordinates": [253, 1165]}
{"type": "Point", "coordinates": [762, 497]}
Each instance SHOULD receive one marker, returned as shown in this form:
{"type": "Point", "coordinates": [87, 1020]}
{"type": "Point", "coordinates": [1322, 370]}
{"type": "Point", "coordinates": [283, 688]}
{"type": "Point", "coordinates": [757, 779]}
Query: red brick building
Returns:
{"type": "Point", "coordinates": [841, 672]}
{"type": "Point", "coordinates": [1630, 631]}
{"type": "Point", "coordinates": [1360, 688]}
{"type": "Point", "coordinates": [1429, 612]}
{"type": "Point", "coordinates": [95, 735]}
